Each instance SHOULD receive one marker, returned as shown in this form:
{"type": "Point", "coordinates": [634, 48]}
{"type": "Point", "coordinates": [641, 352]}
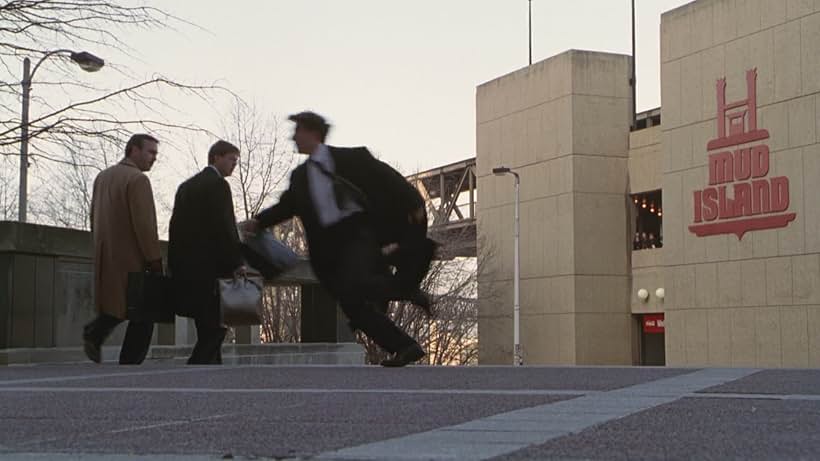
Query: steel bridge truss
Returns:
{"type": "Point", "coordinates": [450, 194]}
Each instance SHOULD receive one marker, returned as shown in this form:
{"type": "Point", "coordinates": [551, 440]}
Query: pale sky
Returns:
{"type": "Point", "coordinates": [399, 77]}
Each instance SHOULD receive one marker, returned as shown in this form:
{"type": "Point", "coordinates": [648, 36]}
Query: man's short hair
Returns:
{"type": "Point", "coordinates": [311, 121]}
{"type": "Point", "coordinates": [219, 149]}
{"type": "Point", "coordinates": [137, 141]}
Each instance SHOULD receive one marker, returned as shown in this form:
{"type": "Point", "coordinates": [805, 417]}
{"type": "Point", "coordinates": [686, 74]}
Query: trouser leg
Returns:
{"type": "Point", "coordinates": [136, 343]}
{"type": "Point", "coordinates": [208, 348]}
{"type": "Point", "coordinates": [376, 325]}
{"type": "Point", "coordinates": [98, 329]}
{"type": "Point", "coordinates": [361, 275]}
{"type": "Point", "coordinates": [412, 262]}
{"type": "Point", "coordinates": [361, 270]}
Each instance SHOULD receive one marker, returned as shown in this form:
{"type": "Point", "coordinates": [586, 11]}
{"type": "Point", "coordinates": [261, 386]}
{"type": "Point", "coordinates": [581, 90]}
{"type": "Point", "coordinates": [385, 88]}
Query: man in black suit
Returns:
{"type": "Point", "coordinates": [350, 204]}
{"type": "Point", "coordinates": [203, 245]}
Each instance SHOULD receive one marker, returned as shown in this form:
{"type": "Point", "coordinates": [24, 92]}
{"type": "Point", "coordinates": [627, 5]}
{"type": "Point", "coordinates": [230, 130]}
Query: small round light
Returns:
{"type": "Point", "coordinates": [660, 293]}
{"type": "Point", "coordinates": [643, 294]}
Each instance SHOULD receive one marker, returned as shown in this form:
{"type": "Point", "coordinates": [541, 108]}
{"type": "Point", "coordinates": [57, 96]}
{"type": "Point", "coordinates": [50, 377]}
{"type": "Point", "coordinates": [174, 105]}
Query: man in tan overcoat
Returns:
{"type": "Point", "coordinates": [124, 228]}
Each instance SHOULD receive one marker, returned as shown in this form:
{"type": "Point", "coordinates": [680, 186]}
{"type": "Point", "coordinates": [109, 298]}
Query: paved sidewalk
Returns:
{"type": "Point", "coordinates": [172, 412]}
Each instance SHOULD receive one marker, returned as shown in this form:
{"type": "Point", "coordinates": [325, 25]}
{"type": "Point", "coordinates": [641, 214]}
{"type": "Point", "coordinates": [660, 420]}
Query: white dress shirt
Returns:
{"type": "Point", "coordinates": [321, 189]}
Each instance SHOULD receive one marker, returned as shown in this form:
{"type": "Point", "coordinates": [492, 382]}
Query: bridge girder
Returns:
{"type": "Point", "coordinates": [449, 192]}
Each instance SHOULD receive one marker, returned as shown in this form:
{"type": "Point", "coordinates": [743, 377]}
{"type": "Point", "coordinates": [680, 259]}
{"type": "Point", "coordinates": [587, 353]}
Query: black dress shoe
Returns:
{"type": "Point", "coordinates": [405, 356]}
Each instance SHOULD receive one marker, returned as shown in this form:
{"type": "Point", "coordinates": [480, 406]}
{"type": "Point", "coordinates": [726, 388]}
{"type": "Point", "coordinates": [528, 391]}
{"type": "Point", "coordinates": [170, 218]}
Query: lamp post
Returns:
{"type": "Point", "coordinates": [518, 356]}
{"type": "Point", "coordinates": [87, 62]}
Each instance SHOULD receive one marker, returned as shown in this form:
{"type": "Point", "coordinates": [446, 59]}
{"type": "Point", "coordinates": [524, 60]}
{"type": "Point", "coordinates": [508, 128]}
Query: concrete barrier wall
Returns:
{"type": "Point", "coordinates": [46, 294]}
{"type": "Point", "coordinates": [46, 287]}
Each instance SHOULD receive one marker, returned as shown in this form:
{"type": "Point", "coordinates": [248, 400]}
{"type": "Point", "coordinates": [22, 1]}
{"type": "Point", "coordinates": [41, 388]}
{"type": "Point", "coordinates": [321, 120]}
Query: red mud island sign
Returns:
{"type": "Point", "coordinates": [741, 197]}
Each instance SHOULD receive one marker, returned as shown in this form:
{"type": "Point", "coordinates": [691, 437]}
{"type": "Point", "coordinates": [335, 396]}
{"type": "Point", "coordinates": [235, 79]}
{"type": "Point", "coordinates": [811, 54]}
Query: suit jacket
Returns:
{"type": "Point", "coordinates": [124, 229]}
{"type": "Point", "coordinates": [389, 199]}
{"type": "Point", "coordinates": [203, 243]}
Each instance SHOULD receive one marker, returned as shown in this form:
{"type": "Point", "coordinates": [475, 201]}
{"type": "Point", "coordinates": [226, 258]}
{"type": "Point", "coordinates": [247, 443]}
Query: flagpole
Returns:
{"type": "Point", "coordinates": [634, 77]}
{"type": "Point", "coordinates": [530, 32]}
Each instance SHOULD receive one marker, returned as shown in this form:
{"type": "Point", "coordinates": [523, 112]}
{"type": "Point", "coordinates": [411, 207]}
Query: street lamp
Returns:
{"type": "Point", "coordinates": [87, 62]}
{"type": "Point", "coordinates": [518, 356]}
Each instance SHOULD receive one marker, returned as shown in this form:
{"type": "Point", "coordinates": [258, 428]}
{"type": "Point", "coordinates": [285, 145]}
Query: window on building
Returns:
{"type": "Point", "coordinates": [648, 220]}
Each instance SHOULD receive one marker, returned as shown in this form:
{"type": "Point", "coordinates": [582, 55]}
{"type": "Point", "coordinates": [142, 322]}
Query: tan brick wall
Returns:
{"type": "Point", "coordinates": [645, 173]}
{"type": "Point", "coordinates": [749, 302]}
{"type": "Point", "coordinates": [647, 273]}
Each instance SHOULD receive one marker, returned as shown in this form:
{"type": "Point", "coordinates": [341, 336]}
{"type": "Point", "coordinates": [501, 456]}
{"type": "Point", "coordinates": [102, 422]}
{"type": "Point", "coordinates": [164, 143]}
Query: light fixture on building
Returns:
{"type": "Point", "coordinates": [643, 205]}
{"type": "Point", "coordinates": [643, 294]}
{"type": "Point", "coordinates": [660, 293]}
{"type": "Point", "coordinates": [660, 212]}
{"type": "Point", "coordinates": [635, 199]}
{"type": "Point", "coordinates": [652, 208]}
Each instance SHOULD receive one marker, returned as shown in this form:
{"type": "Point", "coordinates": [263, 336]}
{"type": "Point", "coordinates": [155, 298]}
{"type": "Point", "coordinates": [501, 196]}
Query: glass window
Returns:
{"type": "Point", "coordinates": [648, 220]}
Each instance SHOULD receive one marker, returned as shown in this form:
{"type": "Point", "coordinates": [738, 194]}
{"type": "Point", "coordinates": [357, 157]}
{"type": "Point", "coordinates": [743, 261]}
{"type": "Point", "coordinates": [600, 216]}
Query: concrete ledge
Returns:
{"type": "Point", "coordinates": [37, 239]}
{"type": "Point", "coordinates": [232, 354]}
{"type": "Point", "coordinates": [16, 237]}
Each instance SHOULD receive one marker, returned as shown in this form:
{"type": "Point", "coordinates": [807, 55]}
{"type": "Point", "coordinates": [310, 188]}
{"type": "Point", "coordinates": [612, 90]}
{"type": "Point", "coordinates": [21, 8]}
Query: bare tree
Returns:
{"type": "Point", "coordinates": [8, 189]}
{"type": "Point", "coordinates": [283, 306]}
{"type": "Point", "coordinates": [265, 162]}
{"type": "Point", "coordinates": [74, 118]}
{"type": "Point", "coordinates": [72, 183]}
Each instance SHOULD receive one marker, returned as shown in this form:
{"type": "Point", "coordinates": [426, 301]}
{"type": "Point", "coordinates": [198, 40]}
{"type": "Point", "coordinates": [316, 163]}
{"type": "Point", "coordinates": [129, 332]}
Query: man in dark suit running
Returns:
{"type": "Point", "coordinates": [203, 245]}
{"type": "Point", "coordinates": [348, 202]}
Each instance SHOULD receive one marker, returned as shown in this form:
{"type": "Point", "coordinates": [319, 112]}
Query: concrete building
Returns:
{"type": "Point", "coordinates": [729, 168]}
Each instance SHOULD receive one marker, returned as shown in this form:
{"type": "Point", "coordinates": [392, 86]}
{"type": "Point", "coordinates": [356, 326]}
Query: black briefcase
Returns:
{"type": "Point", "coordinates": [148, 298]}
{"type": "Point", "coordinates": [267, 255]}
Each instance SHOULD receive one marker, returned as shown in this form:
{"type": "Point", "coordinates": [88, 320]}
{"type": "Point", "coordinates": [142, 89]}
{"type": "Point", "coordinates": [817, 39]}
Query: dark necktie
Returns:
{"type": "Point", "coordinates": [343, 190]}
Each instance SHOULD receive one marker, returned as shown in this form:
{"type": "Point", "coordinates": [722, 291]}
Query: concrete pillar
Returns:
{"type": "Point", "coordinates": [184, 331]}
{"type": "Point", "coordinates": [322, 321]}
{"type": "Point", "coordinates": [563, 125]}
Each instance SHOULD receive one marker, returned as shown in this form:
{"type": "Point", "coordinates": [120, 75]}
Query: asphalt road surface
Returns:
{"type": "Point", "coordinates": [174, 412]}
